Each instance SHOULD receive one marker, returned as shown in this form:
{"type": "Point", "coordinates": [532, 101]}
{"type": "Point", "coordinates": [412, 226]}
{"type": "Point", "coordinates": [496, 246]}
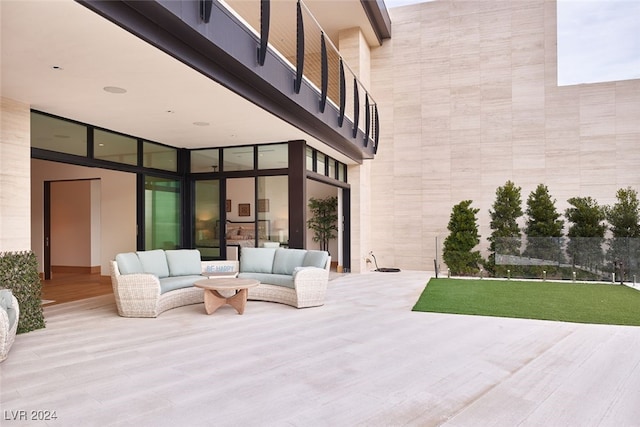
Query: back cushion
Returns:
{"type": "Point", "coordinates": [129, 263]}
{"type": "Point", "coordinates": [154, 262]}
{"type": "Point", "coordinates": [256, 260]}
{"type": "Point", "coordinates": [183, 262]}
{"type": "Point", "coordinates": [315, 259]}
{"type": "Point", "coordinates": [288, 259]}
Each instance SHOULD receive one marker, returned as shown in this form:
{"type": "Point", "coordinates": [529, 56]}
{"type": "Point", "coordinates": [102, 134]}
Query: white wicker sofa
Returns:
{"type": "Point", "coordinates": [296, 277]}
{"type": "Point", "coordinates": [147, 283]}
{"type": "Point", "coordinates": [9, 316]}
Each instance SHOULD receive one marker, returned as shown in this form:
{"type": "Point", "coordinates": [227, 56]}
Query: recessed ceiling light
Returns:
{"type": "Point", "coordinates": [114, 89]}
{"type": "Point", "coordinates": [57, 68]}
{"type": "Point", "coordinates": [201, 123]}
{"type": "Point", "coordinates": [170, 111]}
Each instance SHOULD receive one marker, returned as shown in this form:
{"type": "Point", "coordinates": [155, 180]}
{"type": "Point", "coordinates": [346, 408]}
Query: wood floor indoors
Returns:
{"type": "Point", "coordinates": [67, 287]}
{"type": "Point", "coordinates": [362, 359]}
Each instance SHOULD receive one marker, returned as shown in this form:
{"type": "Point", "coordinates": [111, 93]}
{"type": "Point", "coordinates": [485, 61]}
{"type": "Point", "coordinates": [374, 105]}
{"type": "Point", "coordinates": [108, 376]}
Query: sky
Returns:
{"type": "Point", "coordinates": [598, 40]}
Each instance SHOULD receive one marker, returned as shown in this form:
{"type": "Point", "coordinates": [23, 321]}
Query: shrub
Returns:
{"type": "Point", "coordinates": [463, 237]}
{"type": "Point", "coordinates": [19, 273]}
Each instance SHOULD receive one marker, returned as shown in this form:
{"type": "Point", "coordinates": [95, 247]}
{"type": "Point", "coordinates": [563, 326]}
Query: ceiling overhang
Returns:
{"type": "Point", "coordinates": [58, 56]}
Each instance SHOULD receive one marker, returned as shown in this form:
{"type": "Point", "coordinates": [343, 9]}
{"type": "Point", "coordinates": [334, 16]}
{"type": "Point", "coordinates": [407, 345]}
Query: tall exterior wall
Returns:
{"type": "Point", "coordinates": [468, 99]}
{"type": "Point", "coordinates": [356, 52]}
{"type": "Point", "coordinates": [15, 181]}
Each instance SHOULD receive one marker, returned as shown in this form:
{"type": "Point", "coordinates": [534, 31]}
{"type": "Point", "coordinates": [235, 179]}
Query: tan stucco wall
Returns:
{"type": "Point", "coordinates": [468, 100]}
{"type": "Point", "coordinates": [15, 151]}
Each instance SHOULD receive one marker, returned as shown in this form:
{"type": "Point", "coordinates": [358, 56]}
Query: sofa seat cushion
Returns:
{"type": "Point", "coordinates": [286, 260]}
{"type": "Point", "coordinates": [129, 263]}
{"type": "Point", "coordinates": [183, 262]}
{"type": "Point", "coordinates": [168, 284]}
{"type": "Point", "coordinates": [257, 260]}
{"type": "Point", "coordinates": [284, 280]}
{"type": "Point", "coordinates": [154, 262]}
{"type": "Point", "coordinates": [315, 259]}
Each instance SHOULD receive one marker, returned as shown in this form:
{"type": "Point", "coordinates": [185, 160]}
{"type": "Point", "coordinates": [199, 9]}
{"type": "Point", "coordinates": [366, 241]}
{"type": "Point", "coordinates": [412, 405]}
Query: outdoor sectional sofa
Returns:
{"type": "Point", "coordinates": [147, 283]}
{"type": "Point", "coordinates": [296, 277]}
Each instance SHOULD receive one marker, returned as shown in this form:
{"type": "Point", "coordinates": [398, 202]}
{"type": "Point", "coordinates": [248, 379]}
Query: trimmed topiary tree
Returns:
{"type": "Point", "coordinates": [458, 251]}
{"type": "Point", "coordinates": [543, 230]}
{"type": "Point", "coordinates": [506, 236]}
{"type": "Point", "coordinates": [586, 234]}
{"type": "Point", "coordinates": [624, 219]}
{"type": "Point", "coordinates": [19, 273]}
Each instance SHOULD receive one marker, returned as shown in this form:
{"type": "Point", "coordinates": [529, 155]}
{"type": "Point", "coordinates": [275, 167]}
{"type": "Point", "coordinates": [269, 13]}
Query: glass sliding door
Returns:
{"type": "Point", "coordinates": [162, 213]}
{"type": "Point", "coordinates": [207, 218]}
{"type": "Point", "coordinates": [273, 209]}
{"type": "Point", "coordinates": [240, 230]}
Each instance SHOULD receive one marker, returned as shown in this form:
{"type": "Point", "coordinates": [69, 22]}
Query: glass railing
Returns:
{"type": "Point", "coordinates": [583, 258]}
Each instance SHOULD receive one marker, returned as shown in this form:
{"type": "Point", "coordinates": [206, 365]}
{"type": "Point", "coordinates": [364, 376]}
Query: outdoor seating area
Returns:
{"type": "Point", "coordinates": [356, 361]}
{"type": "Point", "coordinates": [148, 283]}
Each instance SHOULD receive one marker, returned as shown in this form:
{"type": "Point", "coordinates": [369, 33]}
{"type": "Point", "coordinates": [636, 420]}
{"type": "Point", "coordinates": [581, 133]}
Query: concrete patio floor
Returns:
{"type": "Point", "coordinates": [363, 359]}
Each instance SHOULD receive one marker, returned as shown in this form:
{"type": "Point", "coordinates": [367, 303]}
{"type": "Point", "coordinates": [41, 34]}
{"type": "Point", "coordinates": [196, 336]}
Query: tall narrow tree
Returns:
{"type": "Point", "coordinates": [624, 219]}
{"type": "Point", "coordinates": [543, 228]}
{"type": "Point", "coordinates": [324, 220]}
{"type": "Point", "coordinates": [586, 233]}
{"type": "Point", "coordinates": [505, 238]}
{"type": "Point", "coordinates": [463, 236]}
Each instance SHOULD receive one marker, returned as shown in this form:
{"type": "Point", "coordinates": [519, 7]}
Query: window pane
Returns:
{"type": "Point", "coordinates": [332, 168]}
{"type": "Point", "coordinates": [159, 157]}
{"type": "Point", "coordinates": [115, 147]}
{"type": "Point", "coordinates": [58, 135]}
{"type": "Point", "coordinates": [207, 218]}
{"type": "Point", "coordinates": [274, 156]}
{"type": "Point", "coordinates": [273, 209]}
{"type": "Point", "coordinates": [162, 213]}
{"type": "Point", "coordinates": [309, 158]}
{"type": "Point", "coordinates": [321, 163]}
{"type": "Point", "coordinates": [342, 172]}
{"type": "Point", "coordinates": [238, 159]}
{"type": "Point", "coordinates": [205, 160]}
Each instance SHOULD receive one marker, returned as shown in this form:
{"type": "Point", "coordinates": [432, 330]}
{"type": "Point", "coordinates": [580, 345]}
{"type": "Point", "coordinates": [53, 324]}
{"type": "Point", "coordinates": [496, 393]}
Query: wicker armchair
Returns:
{"type": "Point", "coordinates": [8, 322]}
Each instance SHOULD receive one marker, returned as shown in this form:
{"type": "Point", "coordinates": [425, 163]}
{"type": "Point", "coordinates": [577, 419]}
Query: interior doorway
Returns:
{"type": "Point", "coordinates": [72, 226]}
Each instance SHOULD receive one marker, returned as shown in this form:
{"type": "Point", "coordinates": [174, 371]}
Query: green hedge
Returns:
{"type": "Point", "coordinates": [19, 272]}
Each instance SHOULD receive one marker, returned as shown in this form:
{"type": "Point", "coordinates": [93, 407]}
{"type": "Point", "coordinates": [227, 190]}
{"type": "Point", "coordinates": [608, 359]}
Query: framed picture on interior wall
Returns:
{"type": "Point", "coordinates": [244, 209]}
{"type": "Point", "coordinates": [263, 205]}
{"type": "Point", "coordinates": [228, 205]}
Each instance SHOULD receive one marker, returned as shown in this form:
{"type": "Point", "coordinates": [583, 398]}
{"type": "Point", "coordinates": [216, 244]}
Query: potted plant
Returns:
{"type": "Point", "coordinates": [323, 222]}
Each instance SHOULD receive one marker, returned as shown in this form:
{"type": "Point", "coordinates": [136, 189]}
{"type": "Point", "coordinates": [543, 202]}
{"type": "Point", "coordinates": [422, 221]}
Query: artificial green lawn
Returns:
{"type": "Point", "coordinates": [568, 302]}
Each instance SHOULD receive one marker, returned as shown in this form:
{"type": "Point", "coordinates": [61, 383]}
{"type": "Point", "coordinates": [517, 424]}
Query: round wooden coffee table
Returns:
{"type": "Point", "coordinates": [214, 300]}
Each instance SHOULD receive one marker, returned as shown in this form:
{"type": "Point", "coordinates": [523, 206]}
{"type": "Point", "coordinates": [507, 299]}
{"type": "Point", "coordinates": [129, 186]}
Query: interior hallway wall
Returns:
{"type": "Point", "coordinates": [75, 225]}
{"type": "Point", "coordinates": [117, 207]}
{"type": "Point", "coordinates": [468, 99]}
